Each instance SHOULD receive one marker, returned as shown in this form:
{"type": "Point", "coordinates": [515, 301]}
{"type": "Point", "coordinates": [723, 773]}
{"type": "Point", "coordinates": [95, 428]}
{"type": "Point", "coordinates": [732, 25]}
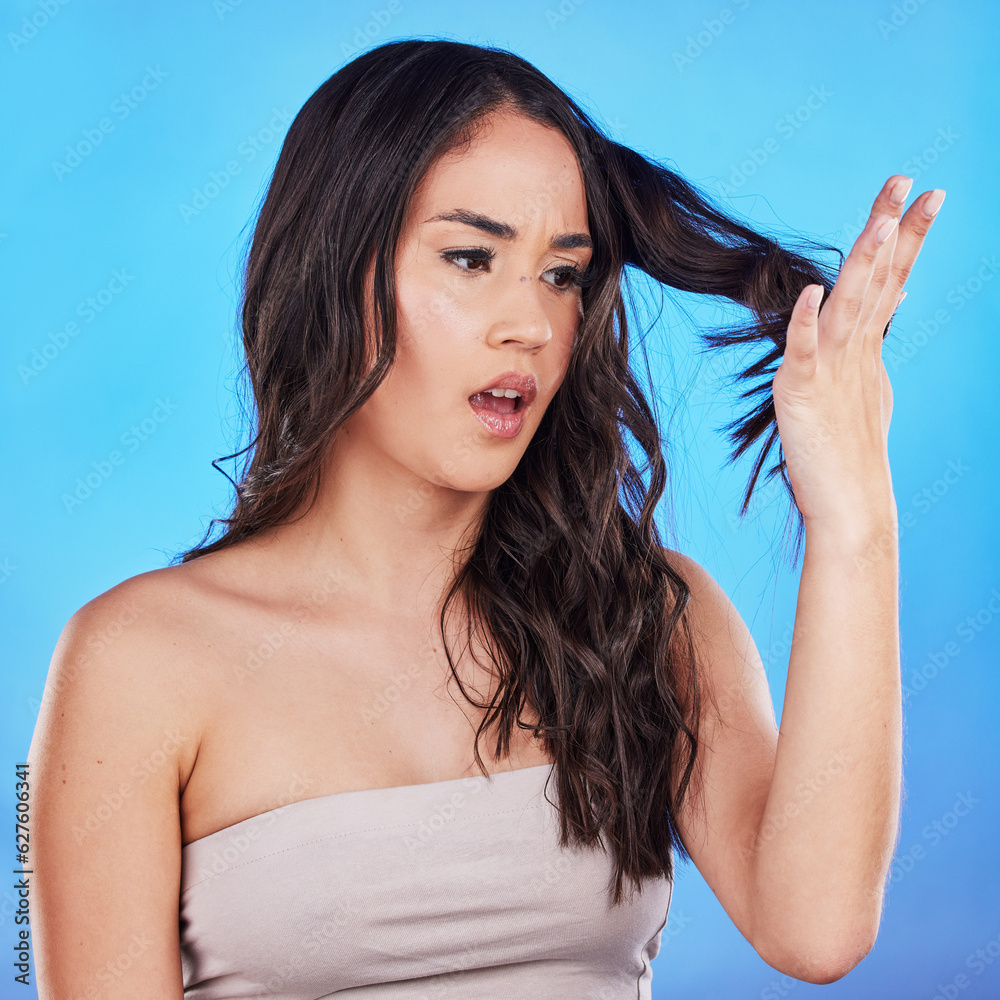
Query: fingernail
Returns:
{"type": "Point", "coordinates": [815, 294]}
{"type": "Point", "coordinates": [899, 190]}
{"type": "Point", "coordinates": [883, 231]}
{"type": "Point", "coordinates": [899, 301]}
{"type": "Point", "coordinates": [934, 202]}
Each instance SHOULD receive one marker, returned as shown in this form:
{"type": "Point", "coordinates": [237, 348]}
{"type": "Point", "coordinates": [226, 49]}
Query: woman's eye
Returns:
{"type": "Point", "coordinates": [479, 256]}
{"type": "Point", "coordinates": [570, 276]}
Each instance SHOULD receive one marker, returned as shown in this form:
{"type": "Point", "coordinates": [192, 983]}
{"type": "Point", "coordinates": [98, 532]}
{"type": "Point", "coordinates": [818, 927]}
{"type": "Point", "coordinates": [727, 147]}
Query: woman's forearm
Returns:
{"type": "Point", "coordinates": [830, 822]}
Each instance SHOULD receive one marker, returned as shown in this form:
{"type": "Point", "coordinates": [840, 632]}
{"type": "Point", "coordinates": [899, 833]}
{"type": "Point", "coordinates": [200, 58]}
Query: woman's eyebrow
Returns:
{"type": "Point", "coordinates": [505, 231]}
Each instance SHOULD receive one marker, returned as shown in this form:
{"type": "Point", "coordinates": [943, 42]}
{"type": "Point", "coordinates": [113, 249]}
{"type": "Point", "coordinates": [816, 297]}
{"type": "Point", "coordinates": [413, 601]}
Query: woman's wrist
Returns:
{"type": "Point", "coordinates": [871, 522]}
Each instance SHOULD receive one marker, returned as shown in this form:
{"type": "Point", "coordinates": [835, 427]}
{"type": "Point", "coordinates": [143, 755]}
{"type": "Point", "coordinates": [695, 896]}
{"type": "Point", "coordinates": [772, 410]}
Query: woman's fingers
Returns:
{"type": "Point", "coordinates": [892, 198]}
{"type": "Point", "coordinates": [913, 229]}
{"type": "Point", "coordinates": [866, 270]}
{"type": "Point", "coordinates": [801, 340]}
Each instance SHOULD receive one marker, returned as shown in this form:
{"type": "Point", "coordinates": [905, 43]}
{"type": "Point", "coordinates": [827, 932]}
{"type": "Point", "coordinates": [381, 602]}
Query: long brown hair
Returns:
{"type": "Point", "coordinates": [582, 613]}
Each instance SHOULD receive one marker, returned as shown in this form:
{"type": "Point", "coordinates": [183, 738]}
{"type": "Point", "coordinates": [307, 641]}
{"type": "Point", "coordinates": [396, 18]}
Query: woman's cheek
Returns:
{"type": "Point", "coordinates": [426, 303]}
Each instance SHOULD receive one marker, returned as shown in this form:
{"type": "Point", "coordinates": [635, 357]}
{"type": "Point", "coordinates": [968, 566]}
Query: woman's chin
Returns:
{"type": "Point", "coordinates": [482, 481]}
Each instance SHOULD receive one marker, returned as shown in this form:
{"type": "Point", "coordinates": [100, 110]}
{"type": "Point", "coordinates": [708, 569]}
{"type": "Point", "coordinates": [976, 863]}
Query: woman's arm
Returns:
{"type": "Point", "coordinates": [829, 825]}
{"type": "Point", "coordinates": [105, 763]}
{"type": "Point", "coordinates": [793, 831]}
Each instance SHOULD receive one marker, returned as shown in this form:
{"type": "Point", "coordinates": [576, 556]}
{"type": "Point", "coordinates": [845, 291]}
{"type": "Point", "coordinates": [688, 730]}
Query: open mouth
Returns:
{"type": "Point", "coordinates": [501, 406]}
{"type": "Point", "coordinates": [498, 401]}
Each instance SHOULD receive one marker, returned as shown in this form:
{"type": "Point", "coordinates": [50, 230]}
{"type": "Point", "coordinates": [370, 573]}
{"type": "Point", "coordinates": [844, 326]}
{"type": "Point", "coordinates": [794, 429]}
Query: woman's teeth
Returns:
{"type": "Point", "coordinates": [497, 400]}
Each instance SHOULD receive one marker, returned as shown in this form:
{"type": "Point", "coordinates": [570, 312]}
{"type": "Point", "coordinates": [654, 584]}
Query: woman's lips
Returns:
{"type": "Point", "coordinates": [500, 415]}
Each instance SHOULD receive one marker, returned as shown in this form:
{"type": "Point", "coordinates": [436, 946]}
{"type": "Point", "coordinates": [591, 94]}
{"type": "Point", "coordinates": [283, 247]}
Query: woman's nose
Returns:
{"type": "Point", "coordinates": [521, 315]}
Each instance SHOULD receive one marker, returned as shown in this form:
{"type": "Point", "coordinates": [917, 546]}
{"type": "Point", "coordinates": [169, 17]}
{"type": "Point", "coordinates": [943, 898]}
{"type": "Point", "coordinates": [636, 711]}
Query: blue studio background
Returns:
{"type": "Point", "coordinates": [138, 140]}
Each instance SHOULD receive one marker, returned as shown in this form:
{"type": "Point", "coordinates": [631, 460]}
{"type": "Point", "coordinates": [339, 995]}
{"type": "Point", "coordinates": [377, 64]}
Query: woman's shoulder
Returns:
{"type": "Point", "coordinates": [709, 607]}
{"type": "Point", "coordinates": [679, 562]}
{"type": "Point", "coordinates": [172, 600]}
{"type": "Point", "coordinates": [138, 642]}
{"type": "Point", "coordinates": [699, 581]}
{"type": "Point", "coordinates": [180, 632]}
{"type": "Point", "coordinates": [140, 669]}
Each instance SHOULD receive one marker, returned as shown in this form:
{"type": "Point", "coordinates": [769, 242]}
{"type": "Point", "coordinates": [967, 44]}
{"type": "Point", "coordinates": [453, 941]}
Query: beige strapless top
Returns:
{"type": "Point", "coordinates": [454, 888]}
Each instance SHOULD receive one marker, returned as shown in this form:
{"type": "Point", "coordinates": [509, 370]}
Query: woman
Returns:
{"type": "Point", "coordinates": [266, 732]}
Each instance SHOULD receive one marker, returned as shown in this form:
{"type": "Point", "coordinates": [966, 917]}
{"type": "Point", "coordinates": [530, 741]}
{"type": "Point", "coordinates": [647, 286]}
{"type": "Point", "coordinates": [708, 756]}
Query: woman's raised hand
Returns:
{"type": "Point", "coordinates": [832, 397]}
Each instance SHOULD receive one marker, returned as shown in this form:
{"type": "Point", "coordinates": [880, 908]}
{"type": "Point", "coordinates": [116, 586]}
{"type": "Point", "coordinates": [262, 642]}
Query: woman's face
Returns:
{"type": "Point", "coordinates": [484, 287]}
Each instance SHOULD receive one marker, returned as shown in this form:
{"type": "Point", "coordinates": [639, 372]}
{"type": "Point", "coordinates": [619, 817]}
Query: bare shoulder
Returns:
{"type": "Point", "coordinates": [117, 734]}
{"type": "Point", "coordinates": [136, 632]}
{"type": "Point", "coordinates": [124, 660]}
{"type": "Point", "coordinates": [731, 674]}
{"type": "Point", "coordinates": [702, 584]}
{"type": "Point", "coordinates": [710, 610]}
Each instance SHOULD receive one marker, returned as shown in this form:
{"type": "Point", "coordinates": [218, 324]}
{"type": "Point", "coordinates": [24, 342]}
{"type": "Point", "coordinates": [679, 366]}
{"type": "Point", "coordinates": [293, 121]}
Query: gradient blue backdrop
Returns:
{"type": "Point", "coordinates": [793, 113]}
